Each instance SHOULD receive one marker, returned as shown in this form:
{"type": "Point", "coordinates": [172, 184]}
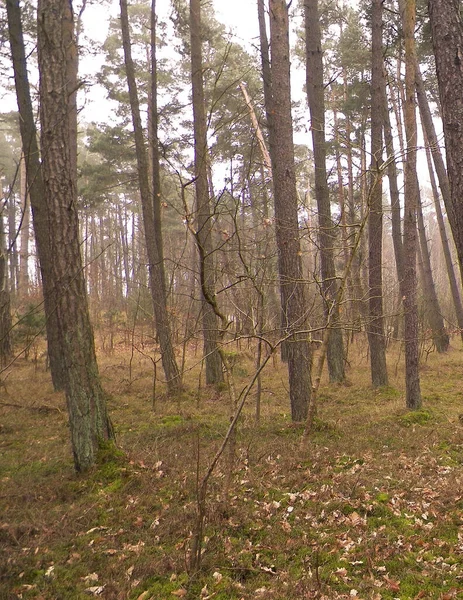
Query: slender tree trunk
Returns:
{"type": "Point", "coordinates": [412, 375]}
{"type": "Point", "coordinates": [432, 307]}
{"type": "Point", "coordinates": [447, 38]}
{"type": "Point", "coordinates": [6, 348]}
{"type": "Point", "coordinates": [154, 146]}
{"type": "Point", "coordinates": [327, 237]}
{"type": "Point", "coordinates": [86, 401]}
{"type": "Point", "coordinates": [396, 221]}
{"type": "Point", "coordinates": [36, 189]}
{"type": "Point", "coordinates": [214, 374]}
{"type": "Point", "coordinates": [270, 116]}
{"type": "Point", "coordinates": [23, 281]}
{"type": "Point", "coordinates": [157, 283]}
{"type": "Point", "coordinates": [445, 243]}
{"type": "Point", "coordinates": [292, 288]}
{"type": "Point", "coordinates": [13, 263]}
{"type": "Point", "coordinates": [343, 211]}
{"type": "Point", "coordinates": [375, 216]}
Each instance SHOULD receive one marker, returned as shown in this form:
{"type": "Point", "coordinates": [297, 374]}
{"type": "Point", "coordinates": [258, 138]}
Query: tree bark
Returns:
{"type": "Point", "coordinates": [432, 308]}
{"type": "Point", "coordinates": [6, 348]}
{"type": "Point", "coordinates": [327, 237]}
{"type": "Point", "coordinates": [23, 280]}
{"type": "Point", "coordinates": [36, 189]}
{"type": "Point", "coordinates": [214, 374]}
{"type": "Point", "coordinates": [156, 273]}
{"type": "Point", "coordinates": [86, 401]}
{"type": "Point", "coordinates": [445, 243]}
{"type": "Point", "coordinates": [154, 145]}
{"type": "Point", "coordinates": [292, 287]}
{"type": "Point", "coordinates": [396, 221]}
{"type": "Point", "coordinates": [412, 375]}
{"type": "Point", "coordinates": [447, 38]}
{"type": "Point", "coordinates": [375, 215]}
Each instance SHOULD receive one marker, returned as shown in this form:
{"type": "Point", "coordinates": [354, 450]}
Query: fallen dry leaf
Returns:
{"type": "Point", "coordinates": [95, 590]}
{"type": "Point", "coordinates": [393, 585]}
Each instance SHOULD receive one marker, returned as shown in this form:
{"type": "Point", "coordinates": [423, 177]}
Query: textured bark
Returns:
{"type": "Point", "coordinates": [293, 295]}
{"type": "Point", "coordinates": [36, 189]}
{"type": "Point", "coordinates": [396, 222]}
{"type": "Point", "coordinates": [154, 147]}
{"type": "Point", "coordinates": [447, 39]}
{"type": "Point", "coordinates": [213, 361]}
{"type": "Point", "coordinates": [327, 237]}
{"type": "Point", "coordinates": [445, 243]}
{"type": "Point", "coordinates": [23, 279]}
{"type": "Point", "coordinates": [13, 261]}
{"type": "Point", "coordinates": [412, 376]}
{"type": "Point", "coordinates": [375, 215]}
{"type": "Point", "coordinates": [6, 349]}
{"type": "Point", "coordinates": [86, 401]}
{"type": "Point", "coordinates": [432, 308]}
{"type": "Point", "coordinates": [270, 115]}
{"type": "Point", "coordinates": [156, 274]}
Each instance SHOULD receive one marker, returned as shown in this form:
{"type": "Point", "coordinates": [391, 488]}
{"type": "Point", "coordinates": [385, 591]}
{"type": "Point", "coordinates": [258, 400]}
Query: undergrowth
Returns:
{"type": "Point", "coordinates": [372, 509]}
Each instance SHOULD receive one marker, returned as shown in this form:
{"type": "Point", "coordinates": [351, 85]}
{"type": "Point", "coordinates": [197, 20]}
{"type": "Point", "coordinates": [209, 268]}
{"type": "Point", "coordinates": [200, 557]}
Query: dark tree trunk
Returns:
{"type": "Point", "coordinates": [412, 372]}
{"type": "Point", "coordinates": [154, 146]}
{"type": "Point", "coordinates": [23, 280]}
{"type": "Point", "coordinates": [86, 401]}
{"type": "Point", "coordinates": [396, 220]}
{"type": "Point", "coordinates": [432, 309]}
{"type": "Point", "coordinates": [327, 235]}
{"type": "Point", "coordinates": [293, 295]}
{"type": "Point", "coordinates": [445, 243]}
{"type": "Point", "coordinates": [35, 187]}
{"type": "Point", "coordinates": [447, 38]}
{"type": "Point", "coordinates": [6, 349]}
{"type": "Point", "coordinates": [375, 216]}
{"type": "Point", "coordinates": [13, 262]}
{"type": "Point", "coordinates": [214, 374]}
{"type": "Point", "coordinates": [156, 272]}
{"type": "Point", "coordinates": [269, 115]}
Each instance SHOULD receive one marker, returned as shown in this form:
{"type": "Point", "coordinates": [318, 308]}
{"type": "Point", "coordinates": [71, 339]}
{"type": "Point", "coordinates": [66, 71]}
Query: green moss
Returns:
{"type": "Point", "coordinates": [415, 417]}
{"type": "Point", "coordinates": [172, 420]}
{"type": "Point", "coordinates": [389, 393]}
{"type": "Point", "coordinates": [382, 497]}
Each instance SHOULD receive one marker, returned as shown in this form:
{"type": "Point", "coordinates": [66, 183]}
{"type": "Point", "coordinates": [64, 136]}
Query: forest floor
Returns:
{"type": "Point", "coordinates": [372, 509]}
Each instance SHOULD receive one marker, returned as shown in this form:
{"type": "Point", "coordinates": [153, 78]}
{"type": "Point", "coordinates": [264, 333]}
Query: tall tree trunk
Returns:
{"type": "Point", "coordinates": [447, 38]}
{"type": "Point", "coordinates": [156, 273]}
{"type": "Point", "coordinates": [35, 186]}
{"type": "Point", "coordinates": [86, 401]}
{"type": "Point", "coordinates": [23, 281]}
{"type": "Point", "coordinates": [292, 288]}
{"type": "Point", "coordinates": [412, 374]}
{"type": "Point", "coordinates": [445, 243]}
{"type": "Point", "coordinates": [343, 211]}
{"type": "Point", "coordinates": [396, 222]}
{"type": "Point", "coordinates": [13, 263]}
{"type": "Point", "coordinates": [432, 307]}
{"type": "Point", "coordinates": [327, 237]}
{"type": "Point", "coordinates": [270, 116]}
{"type": "Point", "coordinates": [154, 146]}
{"type": "Point", "coordinates": [375, 216]}
{"type": "Point", "coordinates": [6, 348]}
{"type": "Point", "coordinates": [204, 217]}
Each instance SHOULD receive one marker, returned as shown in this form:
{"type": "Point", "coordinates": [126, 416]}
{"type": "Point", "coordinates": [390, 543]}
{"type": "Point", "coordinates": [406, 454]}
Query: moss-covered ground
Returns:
{"type": "Point", "coordinates": [372, 509]}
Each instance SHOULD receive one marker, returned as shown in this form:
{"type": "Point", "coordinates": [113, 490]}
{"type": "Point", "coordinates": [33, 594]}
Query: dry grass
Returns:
{"type": "Point", "coordinates": [373, 509]}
